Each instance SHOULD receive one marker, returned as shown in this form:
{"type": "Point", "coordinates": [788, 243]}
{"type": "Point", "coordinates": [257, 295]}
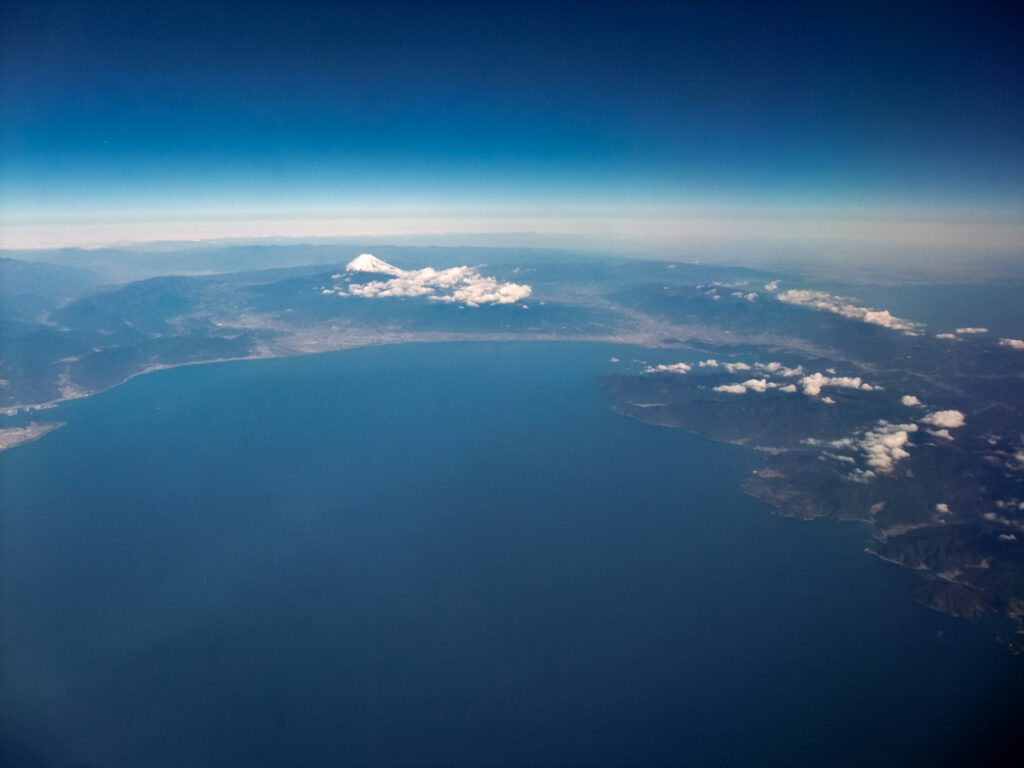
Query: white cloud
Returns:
{"type": "Point", "coordinates": [943, 433]}
{"type": "Point", "coordinates": [840, 306]}
{"type": "Point", "coordinates": [750, 385]}
{"type": "Point", "coordinates": [949, 336]}
{"type": "Point", "coordinates": [840, 457]}
{"type": "Point", "coordinates": [673, 368]}
{"type": "Point", "coordinates": [845, 442]}
{"type": "Point", "coordinates": [733, 367]}
{"type": "Point", "coordinates": [788, 388]}
{"type": "Point", "coordinates": [886, 444]}
{"type": "Point", "coordinates": [751, 296]}
{"type": "Point", "coordinates": [613, 360]}
{"type": "Point", "coordinates": [910, 400]}
{"type": "Point", "coordinates": [972, 330]}
{"type": "Point", "coordinates": [479, 290]}
{"type": "Point", "coordinates": [457, 285]}
{"type": "Point", "coordinates": [881, 447]}
{"type": "Point", "coordinates": [942, 509]}
{"type": "Point", "coordinates": [828, 400]}
{"type": "Point", "coordinates": [413, 284]}
{"type": "Point", "coordinates": [813, 384]}
{"type": "Point", "coordinates": [709, 363]}
{"type": "Point", "coordinates": [779, 368]}
{"type": "Point", "coordinates": [772, 286]}
{"type": "Point", "coordinates": [950, 419]}
{"type": "Point", "coordinates": [1007, 537]}
{"type": "Point", "coordinates": [1012, 343]}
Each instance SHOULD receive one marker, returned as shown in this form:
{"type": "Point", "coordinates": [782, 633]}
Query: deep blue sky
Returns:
{"type": "Point", "coordinates": [167, 107]}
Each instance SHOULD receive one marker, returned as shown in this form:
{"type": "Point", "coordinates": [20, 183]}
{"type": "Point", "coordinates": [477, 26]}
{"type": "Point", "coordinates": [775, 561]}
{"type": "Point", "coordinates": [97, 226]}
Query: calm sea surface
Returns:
{"type": "Point", "coordinates": [448, 555]}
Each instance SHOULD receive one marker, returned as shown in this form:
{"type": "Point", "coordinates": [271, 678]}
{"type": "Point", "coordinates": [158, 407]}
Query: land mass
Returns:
{"type": "Point", "coordinates": [860, 414]}
{"type": "Point", "coordinates": [917, 434]}
{"type": "Point", "coordinates": [12, 436]}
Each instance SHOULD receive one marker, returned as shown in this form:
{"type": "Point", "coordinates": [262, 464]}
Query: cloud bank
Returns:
{"type": "Point", "coordinates": [457, 285]}
{"type": "Point", "coordinates": [826, 302]}
{"type": "Point", "coordinates": [813, 384]}
{"type": "Point", "coordinates": [750, 385]}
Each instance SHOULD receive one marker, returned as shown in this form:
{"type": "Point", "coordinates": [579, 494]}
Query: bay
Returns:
{"type": "Point", "coordinates": [449, 554]}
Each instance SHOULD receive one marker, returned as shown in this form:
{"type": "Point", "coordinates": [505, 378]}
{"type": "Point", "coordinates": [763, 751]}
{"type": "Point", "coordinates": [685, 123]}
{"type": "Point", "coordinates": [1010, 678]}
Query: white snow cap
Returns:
{"type": "Point", "coordinates": [367, 262]}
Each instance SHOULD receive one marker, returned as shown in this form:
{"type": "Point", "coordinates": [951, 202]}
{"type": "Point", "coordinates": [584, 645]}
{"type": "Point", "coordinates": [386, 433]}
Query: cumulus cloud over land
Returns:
{"type": "Point", "coordinates": [457, 285]}
{"type": "Point", "coordinates": [886, 444]}
{"type": "Point", "coordinates": [881, 447]}
{"type": "Point", "coordinates": [910, 400]}
{"type": "Point", "coordinates": [813, 384]}
{"type": "Point", "coordinates": [826, 302]}
{"type": "Point", "coordinates": [673, 368]}
{"type": "Point", "coordinates": [772, 367]}
{"type": "Point", "coordinates": [946, 419]}
{"type": "Point", "coordinates": [780, 369]}
{"type": "Point", "coordinates": [750, 385]}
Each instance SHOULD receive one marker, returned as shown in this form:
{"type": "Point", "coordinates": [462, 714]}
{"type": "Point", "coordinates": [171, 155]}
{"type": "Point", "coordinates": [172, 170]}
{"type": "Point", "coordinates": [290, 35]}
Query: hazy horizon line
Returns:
{"type": "Point", "coordinates": [763, 226]}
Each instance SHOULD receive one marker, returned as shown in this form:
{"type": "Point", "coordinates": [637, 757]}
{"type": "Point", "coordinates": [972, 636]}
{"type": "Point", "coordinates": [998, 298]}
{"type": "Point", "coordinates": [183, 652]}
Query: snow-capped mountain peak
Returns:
{"type": "Point", "coordinates": [367, 262]}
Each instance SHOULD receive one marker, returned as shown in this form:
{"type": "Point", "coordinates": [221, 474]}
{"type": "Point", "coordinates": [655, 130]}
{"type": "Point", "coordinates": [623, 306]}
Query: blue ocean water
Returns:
{"type": "Point", "coordinates": [449, 554]}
